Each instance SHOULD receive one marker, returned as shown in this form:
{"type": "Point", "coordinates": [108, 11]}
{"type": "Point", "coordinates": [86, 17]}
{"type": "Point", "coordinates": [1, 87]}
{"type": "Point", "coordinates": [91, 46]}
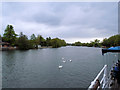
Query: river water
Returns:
{"type": "Point", "coordinates": [39, 68]}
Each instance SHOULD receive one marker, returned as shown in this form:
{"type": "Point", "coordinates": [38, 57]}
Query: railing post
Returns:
{"type": "Point", "coordinates": [103, 80]}
{"type": "Point", "coordinates": [105, 77]}
{"type": "Point", "coordinates": [91, 86]}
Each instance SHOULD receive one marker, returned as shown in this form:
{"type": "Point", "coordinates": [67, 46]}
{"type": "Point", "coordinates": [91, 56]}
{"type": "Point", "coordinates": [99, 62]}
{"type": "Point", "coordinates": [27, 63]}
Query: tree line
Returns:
{"type": "Point", "coordinates": [23, 43]}
{"type": "Point", "coordinates": [95, 43]}
{"type": "Point", "coordinates": [107, 42]}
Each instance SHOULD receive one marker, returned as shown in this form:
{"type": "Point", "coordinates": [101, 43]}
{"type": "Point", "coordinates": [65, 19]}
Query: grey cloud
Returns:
{"type": "Point", "coordinates": [67, 20]}
{"type": "Point", "coordinates": [48, 19]}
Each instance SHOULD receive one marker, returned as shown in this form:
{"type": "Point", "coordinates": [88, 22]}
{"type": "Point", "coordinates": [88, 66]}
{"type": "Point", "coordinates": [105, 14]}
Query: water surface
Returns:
{"type": "Point", "coordinates": [39, 68]}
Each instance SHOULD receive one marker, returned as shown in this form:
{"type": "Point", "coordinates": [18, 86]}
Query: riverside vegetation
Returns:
{"type": "Point", "coordinates": [23, 43]}
{"type": "Point", "coordinates": [107, 42]}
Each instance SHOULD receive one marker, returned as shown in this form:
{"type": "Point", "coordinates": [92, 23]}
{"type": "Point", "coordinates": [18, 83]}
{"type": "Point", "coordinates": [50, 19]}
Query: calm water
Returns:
{"type": "Point", "coordinates": [39, 68]}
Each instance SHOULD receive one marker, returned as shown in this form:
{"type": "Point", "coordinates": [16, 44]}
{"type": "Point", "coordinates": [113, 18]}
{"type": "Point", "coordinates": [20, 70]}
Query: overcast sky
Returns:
{"type": "Point", "coordinates": [79, 21]}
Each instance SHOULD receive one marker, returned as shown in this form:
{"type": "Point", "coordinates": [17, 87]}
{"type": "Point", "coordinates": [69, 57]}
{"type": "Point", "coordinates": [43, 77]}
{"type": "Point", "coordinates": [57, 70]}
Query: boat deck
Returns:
{"type": "Point", "coordinates": [115, 85]}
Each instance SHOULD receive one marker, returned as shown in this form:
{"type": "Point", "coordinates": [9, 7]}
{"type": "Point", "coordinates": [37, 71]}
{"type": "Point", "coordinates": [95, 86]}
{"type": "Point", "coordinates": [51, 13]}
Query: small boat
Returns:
{"type": "Point", "coordinates": [111, 49]}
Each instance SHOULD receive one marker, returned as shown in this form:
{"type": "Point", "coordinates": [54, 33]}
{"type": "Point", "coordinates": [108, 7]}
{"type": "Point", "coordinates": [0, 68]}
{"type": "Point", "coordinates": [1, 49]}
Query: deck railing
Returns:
{"type": "Point", "coordinates": [103, 82]}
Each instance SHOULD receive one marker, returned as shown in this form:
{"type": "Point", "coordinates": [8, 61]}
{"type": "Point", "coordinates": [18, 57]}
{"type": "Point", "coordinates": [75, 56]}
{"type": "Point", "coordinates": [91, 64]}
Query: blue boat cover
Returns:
{"type": "Point", "coordinates": [114, 48]}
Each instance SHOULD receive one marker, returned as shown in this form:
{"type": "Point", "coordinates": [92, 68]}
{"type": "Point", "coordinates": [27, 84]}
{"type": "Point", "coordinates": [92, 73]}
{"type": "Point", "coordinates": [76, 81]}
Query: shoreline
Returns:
{"type": "Point", "coordinates": [13, 48]}
{"type": "Point", "coordinates": [44, 47]}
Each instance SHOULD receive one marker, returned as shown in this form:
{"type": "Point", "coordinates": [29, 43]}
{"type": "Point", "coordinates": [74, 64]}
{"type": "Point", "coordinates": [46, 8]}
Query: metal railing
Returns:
{"type": "Point", "coordinates": [103, 81]}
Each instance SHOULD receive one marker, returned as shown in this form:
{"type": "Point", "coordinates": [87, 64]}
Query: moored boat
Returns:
{"type": "Point", "coordinates": [111, 49]}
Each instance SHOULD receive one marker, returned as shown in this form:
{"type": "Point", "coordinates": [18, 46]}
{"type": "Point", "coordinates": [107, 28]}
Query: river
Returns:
{"type": "Point", "coordinates": [38, 68]}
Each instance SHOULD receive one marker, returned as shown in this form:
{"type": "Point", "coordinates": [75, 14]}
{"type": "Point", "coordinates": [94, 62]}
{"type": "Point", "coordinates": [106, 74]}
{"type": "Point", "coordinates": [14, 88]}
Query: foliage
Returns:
{"type": "Point", "coordinates": [41, 40]}
{"type": "Point", "coordinates": [78, 43]}
{"type": "Point", "coordinates": [23, 42]}
{"type": "Point", "coordinates": [48, 41]}
{"type": "Point", "coordinates": [112, 41]}
{"type": "Point", "coordinates": [33, 41]}
{"type": "Point", "coordinates": [56, 42]}
{"type": "Point", "coordinates": [0, 38]}
{"type": "Point", "coordinates": [33, 37]}
{"type": "Point", "coordinates": [95, 43]}
{"type": "Point", "coordinates": [9, 35]}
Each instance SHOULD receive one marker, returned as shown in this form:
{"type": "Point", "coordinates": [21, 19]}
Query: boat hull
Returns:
{"type": "Point", "coordinates": [107, 50]}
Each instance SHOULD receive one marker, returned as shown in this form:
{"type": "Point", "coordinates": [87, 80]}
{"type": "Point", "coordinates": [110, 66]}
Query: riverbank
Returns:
{"type": "Point", "coordinates": [16, 48]}
{"type": "Point", "coordinates": [8, 48]}
{"type": "Point", "coordinates": [45, 47]}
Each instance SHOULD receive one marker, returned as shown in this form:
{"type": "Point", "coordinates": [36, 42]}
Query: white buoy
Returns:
{"type": "Point", "coordinates": [60, 67]}
{"type": "Point", "coordinates": [62, 58]}
{"type": "Point", "coordinates": [64, 61]}
{"type": "Point", "coordinates": [115, 55]}
{"type": "Point", "coordinates": [70, 60]}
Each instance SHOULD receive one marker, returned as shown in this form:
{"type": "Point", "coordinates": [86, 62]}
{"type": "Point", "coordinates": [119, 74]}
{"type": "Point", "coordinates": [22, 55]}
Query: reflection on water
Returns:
{"type": "Point", "coordinates": [39, 68]}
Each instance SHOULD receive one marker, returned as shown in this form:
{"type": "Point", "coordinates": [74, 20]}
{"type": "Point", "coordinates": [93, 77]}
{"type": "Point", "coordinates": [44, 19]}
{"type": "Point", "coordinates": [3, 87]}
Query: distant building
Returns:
{"type": "Point", "coordinates": [39, 46]}
{"type": "Point", "coordinates": [4, 45]}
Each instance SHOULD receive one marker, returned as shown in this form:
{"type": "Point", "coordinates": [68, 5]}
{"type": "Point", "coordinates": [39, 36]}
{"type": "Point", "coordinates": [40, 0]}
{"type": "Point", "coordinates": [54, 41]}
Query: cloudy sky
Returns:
{"type": "Point", "coordinates": [71, 21]}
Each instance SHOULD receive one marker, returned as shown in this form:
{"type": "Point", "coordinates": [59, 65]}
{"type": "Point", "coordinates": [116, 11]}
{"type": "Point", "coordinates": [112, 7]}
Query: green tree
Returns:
{"type": "Point", "coordinates": [23, 42]}
{"type": "Point", "coordinates": [63, 43]}
{"type": "Point", "coordinates": [41, 41]}
{"type": "Point", "coordinates": [78, 43]}
{"type": "Point", "coordinates": [111, 41]}
{"type": "Point", "coordinates": [117, 40]}
{"type": "Point", "coordinates": [96, 43]}
{"type": "Point", "coordinates": [48, 43]}
{"type": "Point", "coordinates": [9, 35]}
{"type": "Point", "coordinates": [33, 41]}
{"type": "Point", "coordinates": [33, 37]}
{"type": "Point", "coordinates": [0, 38]}
{"type": "Point", "coordinates": [56, 42]}
{"type": "Point", "coordinates": [105, 42]}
